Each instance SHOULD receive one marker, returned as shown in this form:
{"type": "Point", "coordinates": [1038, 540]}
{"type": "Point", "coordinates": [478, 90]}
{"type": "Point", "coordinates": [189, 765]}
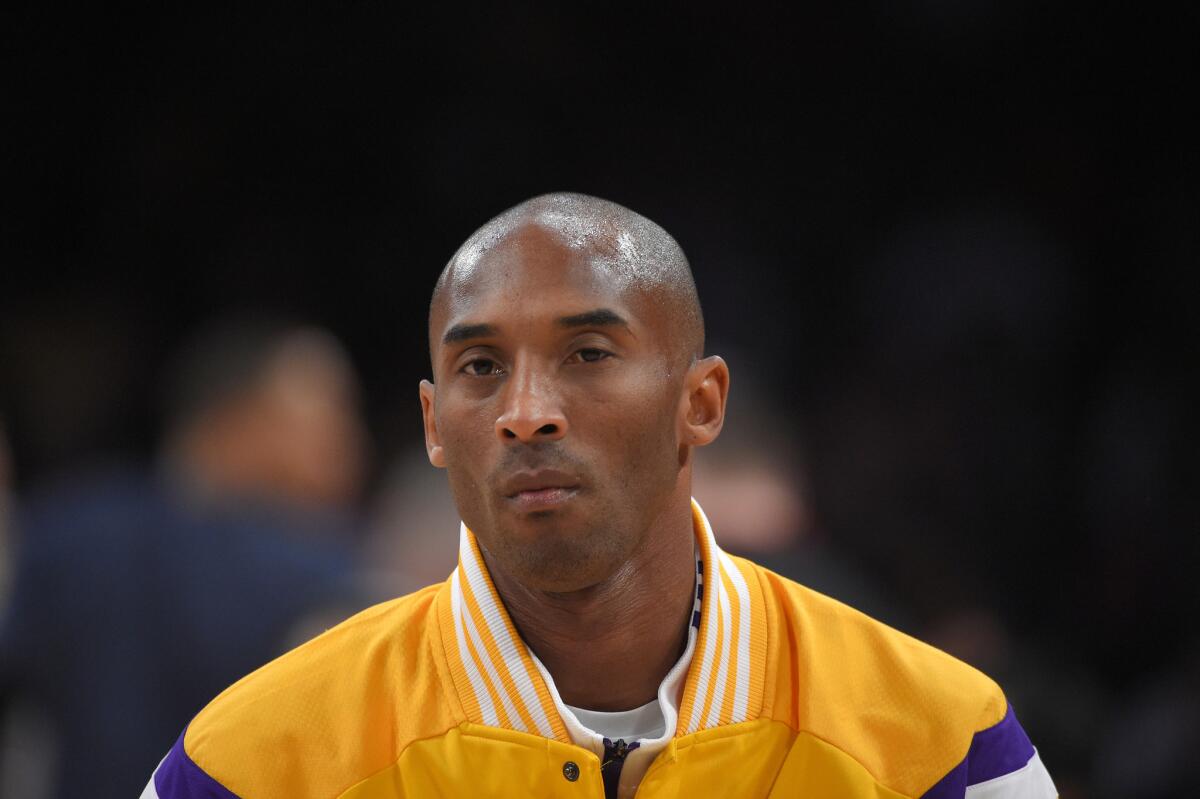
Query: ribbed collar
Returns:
{"type": "Point", "coordinates": [500, 685]}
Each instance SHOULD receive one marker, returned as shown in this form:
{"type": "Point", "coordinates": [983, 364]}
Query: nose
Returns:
{"type": "Point", "coordinates": [532, 409]}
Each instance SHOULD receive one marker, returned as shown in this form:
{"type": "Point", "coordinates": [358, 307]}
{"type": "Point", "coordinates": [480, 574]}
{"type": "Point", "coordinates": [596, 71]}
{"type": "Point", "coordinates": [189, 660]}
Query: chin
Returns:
{"type": "Point", "coordinates": [549, 557]}
{"type": "Point", "coordinates": [544, 526]}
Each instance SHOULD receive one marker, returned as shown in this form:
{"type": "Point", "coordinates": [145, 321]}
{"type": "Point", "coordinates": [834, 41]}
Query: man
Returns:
{"type": "Point", "coordinates": [594, 639]}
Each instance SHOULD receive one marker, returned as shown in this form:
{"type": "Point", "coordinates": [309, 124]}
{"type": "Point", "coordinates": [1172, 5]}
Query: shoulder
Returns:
{"type": "Point", "coordinates": [852, 657]}
{"type": "Point", "coordinates": [908, 712]}
{"type": "Point", "coordinates": [328, 713]}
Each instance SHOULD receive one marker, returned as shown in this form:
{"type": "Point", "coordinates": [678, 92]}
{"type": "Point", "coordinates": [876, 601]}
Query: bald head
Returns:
{"type": "Point", "coordinates": [635, 254]}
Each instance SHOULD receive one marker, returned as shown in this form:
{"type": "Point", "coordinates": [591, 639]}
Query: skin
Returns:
{"type": "Point", "coordinates": [565, 408]}
{"type": "Point", "coordinates": [295, 434]}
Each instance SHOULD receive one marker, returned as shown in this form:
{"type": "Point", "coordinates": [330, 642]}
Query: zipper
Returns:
{"type": "Point", "coordinates": [612, 763]}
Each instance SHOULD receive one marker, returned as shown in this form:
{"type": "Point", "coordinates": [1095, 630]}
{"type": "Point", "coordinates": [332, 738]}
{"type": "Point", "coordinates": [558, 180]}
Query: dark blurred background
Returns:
{"type": "Point", "coordinates": [949, 250]}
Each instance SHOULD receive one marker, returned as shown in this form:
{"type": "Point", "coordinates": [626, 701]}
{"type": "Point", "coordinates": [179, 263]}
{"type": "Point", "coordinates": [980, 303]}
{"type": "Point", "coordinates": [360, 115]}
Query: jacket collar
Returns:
{"type": "Point", "coordinates": [499, 685]}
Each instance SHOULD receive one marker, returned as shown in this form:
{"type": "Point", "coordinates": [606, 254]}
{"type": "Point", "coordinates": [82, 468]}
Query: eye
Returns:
{"type": "Point", "coordinates": [481, 367]}
{"type": "Point", "coordinates": [591, 355]}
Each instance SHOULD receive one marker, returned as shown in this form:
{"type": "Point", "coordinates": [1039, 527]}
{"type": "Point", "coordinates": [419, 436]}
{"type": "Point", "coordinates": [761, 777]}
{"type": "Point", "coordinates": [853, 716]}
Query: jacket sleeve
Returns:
{"type": "Point", "coordinates": [1001, 763]}
{"type": "Point", "coordinates": [178, 777]}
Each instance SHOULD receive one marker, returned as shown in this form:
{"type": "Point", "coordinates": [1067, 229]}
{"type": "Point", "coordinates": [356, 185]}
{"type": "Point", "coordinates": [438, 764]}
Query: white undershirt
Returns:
{"type": "Point", "coordinates": [631, 725]}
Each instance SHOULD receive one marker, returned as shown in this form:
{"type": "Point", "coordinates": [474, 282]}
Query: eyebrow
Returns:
{"type": "Point", "coordinates": [600, 317]}
{"type": "Point", "coordinates": [465, 332]}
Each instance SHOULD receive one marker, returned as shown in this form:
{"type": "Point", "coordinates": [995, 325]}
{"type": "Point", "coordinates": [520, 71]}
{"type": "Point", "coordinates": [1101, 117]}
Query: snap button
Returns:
{"type": "Point", "coordinates": [570, 771]}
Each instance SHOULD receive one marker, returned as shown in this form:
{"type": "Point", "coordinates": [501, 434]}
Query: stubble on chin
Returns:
{"type": "Point", "coordinates": [561, 560]}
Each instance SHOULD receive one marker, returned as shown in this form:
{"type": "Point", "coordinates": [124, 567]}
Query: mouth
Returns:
{"type": "Point", "coordinates": [540, 490]}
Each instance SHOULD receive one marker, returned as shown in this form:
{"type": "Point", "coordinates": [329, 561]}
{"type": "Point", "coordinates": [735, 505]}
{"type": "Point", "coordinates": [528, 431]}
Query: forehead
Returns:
{"type": "Point", "coordinates": [535, 268]}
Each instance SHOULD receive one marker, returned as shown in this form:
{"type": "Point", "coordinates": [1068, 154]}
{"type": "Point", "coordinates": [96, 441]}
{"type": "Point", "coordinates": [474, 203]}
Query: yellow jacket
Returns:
{"type": "Point", "coordinates": [788, 693]}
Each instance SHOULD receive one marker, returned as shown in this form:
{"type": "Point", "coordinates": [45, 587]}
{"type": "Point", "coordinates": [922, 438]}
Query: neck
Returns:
{"type": "Point", "coordinates": [609, 646]}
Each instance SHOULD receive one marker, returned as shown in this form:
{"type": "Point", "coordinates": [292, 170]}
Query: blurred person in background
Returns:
{"type": "Point", "coordinates": [756, 492]}
{"type": "Point", "coordinates": [406, 547]}
{"type": "Point", "coordinates": [138, 592]}
{"type": "Point", "coordinates": [5, 542]}
{"type": "Point", "coordinates": [25, 737]}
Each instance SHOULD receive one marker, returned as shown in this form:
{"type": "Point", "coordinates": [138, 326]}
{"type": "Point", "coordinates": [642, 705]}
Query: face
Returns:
{"type": "Point", "coordinates": [309, 426]}
{"type": "Point", "coordinates": [556, 409]}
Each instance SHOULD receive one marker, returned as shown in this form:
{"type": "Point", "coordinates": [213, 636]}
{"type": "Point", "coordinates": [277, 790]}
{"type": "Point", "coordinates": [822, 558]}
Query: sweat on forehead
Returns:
{"type": "Point", "coordinates": [641, 256]}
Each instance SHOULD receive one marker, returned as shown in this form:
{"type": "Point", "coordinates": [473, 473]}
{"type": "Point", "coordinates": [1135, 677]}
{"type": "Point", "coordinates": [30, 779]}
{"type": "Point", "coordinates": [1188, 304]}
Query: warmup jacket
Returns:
{"type": "Point", "coordinates": [788, 694]}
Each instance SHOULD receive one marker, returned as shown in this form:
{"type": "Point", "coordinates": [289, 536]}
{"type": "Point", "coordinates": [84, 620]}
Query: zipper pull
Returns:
{"type": "Point", "coordinates": [615, 752]}
{"type": "Point", "coordinates": [614, 755]}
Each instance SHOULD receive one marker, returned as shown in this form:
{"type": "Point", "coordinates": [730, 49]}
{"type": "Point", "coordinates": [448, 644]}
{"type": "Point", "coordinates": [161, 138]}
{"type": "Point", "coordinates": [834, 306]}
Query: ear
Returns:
{"type": "Point", "coordinates": [433, 442]}
{"type": "Point", "coordinates": [706, 387]}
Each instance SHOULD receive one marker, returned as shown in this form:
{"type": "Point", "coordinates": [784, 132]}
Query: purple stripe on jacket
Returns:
{"type": "Point", "coordinates": [178, 777]}
{"type": "Point", "coordinates": [1000, 749]}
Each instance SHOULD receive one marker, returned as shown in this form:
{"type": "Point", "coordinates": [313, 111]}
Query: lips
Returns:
{"type": "Point", "coordinates": [541, 489]}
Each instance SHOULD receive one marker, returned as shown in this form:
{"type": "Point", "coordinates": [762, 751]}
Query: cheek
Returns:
{"type": "Point", "coordinates": [466, 436]}
{"type": "Point", "coordinates": [459, 415]}
{"type": "Point", "coordinates": [641, 437]}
